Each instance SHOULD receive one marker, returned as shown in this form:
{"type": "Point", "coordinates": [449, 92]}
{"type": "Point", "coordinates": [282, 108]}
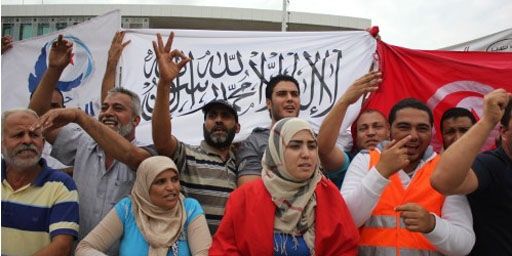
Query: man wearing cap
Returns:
{"type": "Point", "coordinates": [208, 171]}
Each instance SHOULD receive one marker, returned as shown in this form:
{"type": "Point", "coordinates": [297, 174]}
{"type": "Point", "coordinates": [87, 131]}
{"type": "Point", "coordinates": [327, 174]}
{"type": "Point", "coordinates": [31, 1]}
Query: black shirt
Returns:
{"type": "Point", "coordinates": [491, 204]}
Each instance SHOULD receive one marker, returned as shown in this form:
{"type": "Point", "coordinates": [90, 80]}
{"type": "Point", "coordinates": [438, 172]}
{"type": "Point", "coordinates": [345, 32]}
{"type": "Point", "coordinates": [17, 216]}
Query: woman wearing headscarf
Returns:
{"type": "Point", "coordinates": [293, 209]}
{"type": "Point", "coordinates": [155, 220]}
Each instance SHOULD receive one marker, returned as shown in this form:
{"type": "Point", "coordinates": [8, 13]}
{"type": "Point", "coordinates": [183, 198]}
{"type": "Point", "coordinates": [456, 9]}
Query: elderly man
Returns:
{"type": "Point", "coordinates": [101, 180]}
{"type": "Point", "coordinates": [388, 192]}
{"type": "Point", "coordinates": [39, 204]}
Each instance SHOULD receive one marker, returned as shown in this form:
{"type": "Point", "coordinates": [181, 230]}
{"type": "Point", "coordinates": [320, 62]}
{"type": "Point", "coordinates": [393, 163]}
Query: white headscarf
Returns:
{"type": "Point", "coordinates": [295, 200]}
{"type": "Point", "coordinates": [160, 227]}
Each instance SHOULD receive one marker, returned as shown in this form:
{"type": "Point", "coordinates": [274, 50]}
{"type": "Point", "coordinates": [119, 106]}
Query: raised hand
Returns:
{"type": "Point", "coordinates": [60, 53]}
{"type": "Point", "coordinates": [169, 62]}
{"type": "Point", "coordinates": [494, 105]}
{"type": "Point", "coordinates": [393, 157]}
{"type": "Point", "coordinates": [367, 83]}
{"type": "Point", "coordinates": [6, 43]}
{"type": "Point", "coordinates": [116, 48]}
{"type": "Point", "coordinates": [416, 218]}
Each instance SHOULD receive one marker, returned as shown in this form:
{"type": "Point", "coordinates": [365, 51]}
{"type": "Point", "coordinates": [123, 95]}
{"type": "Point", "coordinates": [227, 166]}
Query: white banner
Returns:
{"type": "Point", "coordinates": [23, 65]}
{"type": "Point", "coordinates": [497, 42]}
{"type": "Point", "coordinates": [235, 65]}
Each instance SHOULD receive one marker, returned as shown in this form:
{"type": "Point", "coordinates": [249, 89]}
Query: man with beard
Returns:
{"type": "Point", "coordinates": [389, 195]}
{"type": "Point", "coordinates": [208, 171]}
{"type": "Point", "coordinates": [283, 100]}
{"type": "Point", "coordinates": [101, 180]}
{"type": "Point", "coordinates": [486, 178]}
{"type": "Point", "coordinates": [39, 204]}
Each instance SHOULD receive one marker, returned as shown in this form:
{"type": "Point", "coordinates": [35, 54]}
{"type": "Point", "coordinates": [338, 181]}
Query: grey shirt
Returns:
{"type": "Point", "coordinates": [250, 152]}
{"type": "Point", "coordinates": [99, 189]}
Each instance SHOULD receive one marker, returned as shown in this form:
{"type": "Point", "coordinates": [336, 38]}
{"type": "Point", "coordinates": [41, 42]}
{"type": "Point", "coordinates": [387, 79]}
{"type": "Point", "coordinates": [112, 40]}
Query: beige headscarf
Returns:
{"type": "Point", "coordinates": [160, 227]}
{"type": "Point", "coordinates": [295, 200]}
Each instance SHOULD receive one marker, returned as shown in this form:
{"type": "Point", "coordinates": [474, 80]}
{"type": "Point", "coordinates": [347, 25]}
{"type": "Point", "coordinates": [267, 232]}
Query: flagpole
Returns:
{"type": "Point", "coordinates": [284, 18]}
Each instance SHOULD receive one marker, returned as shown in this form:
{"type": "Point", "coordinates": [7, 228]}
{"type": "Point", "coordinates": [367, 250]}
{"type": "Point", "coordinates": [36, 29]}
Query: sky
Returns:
{"type": "Point", "coordinates": [417, 24]}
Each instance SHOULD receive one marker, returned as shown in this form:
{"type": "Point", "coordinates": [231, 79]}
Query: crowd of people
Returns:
{"type": "Point", "coordinates": [73, 184]}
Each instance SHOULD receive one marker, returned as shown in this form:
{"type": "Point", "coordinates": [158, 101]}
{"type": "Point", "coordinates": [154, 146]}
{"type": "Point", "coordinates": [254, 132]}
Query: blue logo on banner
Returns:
{"type": "Point", "coordinates": [74, 74]}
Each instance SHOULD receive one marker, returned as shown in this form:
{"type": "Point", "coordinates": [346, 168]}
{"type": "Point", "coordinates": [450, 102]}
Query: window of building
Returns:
{"type": "Point", "coordinates": [7, 30]}
{"type": "Point", "coordinates": [61, 25]}
{"type": "Point", "coordinates": [135, 25]}
{"type": "Point", "coordinates": [25, 31]}
{"type": "Point", "coordinates": [43, 29]}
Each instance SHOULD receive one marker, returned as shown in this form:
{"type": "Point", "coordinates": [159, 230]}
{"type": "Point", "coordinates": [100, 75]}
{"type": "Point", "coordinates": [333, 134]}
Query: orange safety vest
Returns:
{"type": "Point", "coordinates": [384, 232]}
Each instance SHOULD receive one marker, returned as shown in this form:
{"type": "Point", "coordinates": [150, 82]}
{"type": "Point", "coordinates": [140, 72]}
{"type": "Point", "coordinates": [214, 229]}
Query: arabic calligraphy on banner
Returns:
{"type": "Point", "coordinates": [237, 65]}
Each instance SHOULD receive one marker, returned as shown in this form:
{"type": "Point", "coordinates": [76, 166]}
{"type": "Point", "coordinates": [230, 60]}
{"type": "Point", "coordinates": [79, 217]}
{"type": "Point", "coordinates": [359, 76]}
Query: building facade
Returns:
{"type": "Point", "coordinates": [26, 21]}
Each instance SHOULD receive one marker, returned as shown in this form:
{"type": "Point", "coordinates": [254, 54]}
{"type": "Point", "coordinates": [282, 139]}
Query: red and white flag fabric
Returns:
{"type": "Point", "coordinates": [441, 79]}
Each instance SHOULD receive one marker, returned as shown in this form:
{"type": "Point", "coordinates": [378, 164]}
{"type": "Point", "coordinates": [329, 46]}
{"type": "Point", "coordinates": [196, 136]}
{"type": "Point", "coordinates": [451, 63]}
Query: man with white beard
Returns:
{"type": "Point", "coordinates": [39, 204]}
{"type": "Point", "coordinates": [101, 180]}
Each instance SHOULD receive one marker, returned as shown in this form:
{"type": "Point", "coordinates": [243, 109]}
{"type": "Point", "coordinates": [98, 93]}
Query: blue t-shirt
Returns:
{"type": "Point", "coordinates": [286, 244]}
{"type": "Point", "coordinates": [133, 242]}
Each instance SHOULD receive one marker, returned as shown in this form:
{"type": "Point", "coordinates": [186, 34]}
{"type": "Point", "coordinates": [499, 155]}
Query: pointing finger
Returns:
{"type": "Point", "coordinates": [402, 141]}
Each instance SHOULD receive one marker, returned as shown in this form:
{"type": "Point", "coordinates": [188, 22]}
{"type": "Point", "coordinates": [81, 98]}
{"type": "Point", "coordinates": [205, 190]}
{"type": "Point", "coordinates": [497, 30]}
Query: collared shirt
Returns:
{"type": "Point", "coordinates": [99, 189]}
{"type": "Point", "coordinates": [38, 211]}
{"type": "Point", "coordinates": [207, 178]}
{"type": "Point", "coordinates": [50, 161]}
{"type": "Point", "coordinates": [453, 233]}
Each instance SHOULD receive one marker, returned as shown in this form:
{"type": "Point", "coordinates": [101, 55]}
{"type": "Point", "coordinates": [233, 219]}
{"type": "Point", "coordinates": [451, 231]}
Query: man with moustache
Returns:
{"type": "Point", "coordinates": [370, 128]}
{"type": "Point", "coordinates": [101, 180]}
{"type": "Point", "coordinates": [389, 195]}
{"type": "Point", "coordinates": [283, 100]}
{"type": "Point", "coordinates": [454, 123]}
{"type": "Point", "coordinates": [39, 204]}
{"type": "Point", "coordinates": [208, 171]}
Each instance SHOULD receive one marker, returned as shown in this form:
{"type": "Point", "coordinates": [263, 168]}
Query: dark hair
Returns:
{"type": "Point", "coordinates": [456, 112]}
{"type": "Point", "coordinates": [410, 103]}
{"type": "Point", "coordinates": [275, 80]}
{"type": "Point", "coordinates": [54, 89]}
{"type": "Point", "coordinates": [506, 116]}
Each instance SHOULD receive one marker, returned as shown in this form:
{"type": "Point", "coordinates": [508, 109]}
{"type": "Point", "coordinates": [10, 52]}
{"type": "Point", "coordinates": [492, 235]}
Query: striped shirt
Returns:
{"type": "Point", "coordinates": [207, 178]}
{"type": "Point", "coordinates": [35, 213]}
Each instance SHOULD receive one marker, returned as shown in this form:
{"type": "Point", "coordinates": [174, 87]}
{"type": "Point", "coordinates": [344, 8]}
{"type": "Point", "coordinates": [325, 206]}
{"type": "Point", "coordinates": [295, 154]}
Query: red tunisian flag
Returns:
{"type": "Point", "coordinates": [441, 79]}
